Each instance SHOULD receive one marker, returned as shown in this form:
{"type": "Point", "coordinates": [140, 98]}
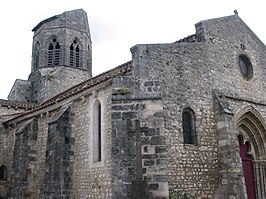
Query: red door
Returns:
{"type": "Point", "coordinates": [248, 170]}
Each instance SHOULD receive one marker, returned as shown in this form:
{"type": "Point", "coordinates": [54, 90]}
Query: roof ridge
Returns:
{"type": "Point", "coordinates": [17, 104]}
{"type": "Point", "coordinates": [92, 81]}
{"type": "Point", "coordinates": [121, 69]}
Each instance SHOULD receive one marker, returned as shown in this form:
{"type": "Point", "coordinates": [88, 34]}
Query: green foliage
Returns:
{"type": "Point", "coordinates": [174, 194]}
{"type": "Point", "coordinates": [121, 91]}
{"type": "Point", "coordinates": [50, 75]}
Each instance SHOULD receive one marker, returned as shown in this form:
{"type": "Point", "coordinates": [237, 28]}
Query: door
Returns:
{"type": "Point", "coordinates": [248, 170]}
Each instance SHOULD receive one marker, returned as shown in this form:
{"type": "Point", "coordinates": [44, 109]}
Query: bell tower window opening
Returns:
{"type": "Point", "coordinates": [77, 56]}
{"type": "Point", "coordinates": [54, 53]}
{"type": "Point", "coordinates": [74, 54]}
{"type": "Point", "coordinates": [88, 57]}
{"type": "Point", "coordinates": [71, 55]}
{"type": "Point", "coordinates": [57, 54]}
{"type": "Point", "coordinates": [50, 54]}
{"type": "Point", "coordinates": [36, 56]}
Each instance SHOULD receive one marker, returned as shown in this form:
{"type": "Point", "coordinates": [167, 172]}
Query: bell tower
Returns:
{"type": "Point", "coordinates": [61, 54]}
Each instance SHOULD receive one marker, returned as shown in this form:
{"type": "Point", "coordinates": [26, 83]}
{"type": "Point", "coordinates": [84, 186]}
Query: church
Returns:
{"type": "Point", "coordinates": [179, 120]}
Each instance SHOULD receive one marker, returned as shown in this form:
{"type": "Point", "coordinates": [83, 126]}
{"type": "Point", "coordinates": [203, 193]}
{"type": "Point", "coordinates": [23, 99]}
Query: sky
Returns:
{"type": "Point", "coordinates": [115, 27]}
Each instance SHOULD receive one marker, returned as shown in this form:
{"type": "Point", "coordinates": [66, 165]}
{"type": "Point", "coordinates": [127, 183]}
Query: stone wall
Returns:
{"type": "Point", "coordinates": [21, 91]}
{"type": "Point", "coordinates": [188, 74]}
{"type": "Point", "coordinates": [7, 142]}
{"type": "Point", "coordinates": [23, 176]}
{"type": "Point", "coordinates": [92, 180]}
{"type": "Point", "coordinates": [247, 120]}
{"type": "Point", "coordinates": [142, 149]}
{"type": "Point", "coordinates": [191, 169]}
{"type": "Point", "coordinates": [43, 120]}
{"type": "Point", "coordinates": [48, 82]}
{"type": "Point", "coordinates": [59, 157]}
{"type": "Point", "coordinates": [231, 177]}
{"type": "Point", "coordinates": [56, 160]}
{"type": "Point", "coordinates": [3, 184]}
{"type": "Point", "coordinates": [138, 137]}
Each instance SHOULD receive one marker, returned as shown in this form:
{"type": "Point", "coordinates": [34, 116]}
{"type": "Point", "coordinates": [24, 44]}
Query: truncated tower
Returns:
{"type": "Point", "coordinates": [61, 57]}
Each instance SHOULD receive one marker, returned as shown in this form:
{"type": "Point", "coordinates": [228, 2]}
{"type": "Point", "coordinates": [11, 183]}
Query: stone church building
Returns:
{"type": "Point", "coordinates": [180, 119]}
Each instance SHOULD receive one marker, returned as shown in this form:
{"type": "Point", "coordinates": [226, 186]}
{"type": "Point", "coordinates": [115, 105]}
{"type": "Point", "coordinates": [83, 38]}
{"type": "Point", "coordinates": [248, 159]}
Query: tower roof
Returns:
{"type": "Point", "coordinates": [65, 20]}
{"type": "Point", "coordinates": [44, 21]}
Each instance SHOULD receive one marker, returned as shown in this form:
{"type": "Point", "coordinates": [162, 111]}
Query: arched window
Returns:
{"type": "Point", "coordinates": [50, 54]}
{"type": "Point", "coordinates": [88, 59]}
{"type": "Point", "coordinates": [74, 56]}
{"type": "Point", "coordinates": [3, 173]}
{"type": "Point", "coordinates": [54, 53]}
{"type": "Point", "coordinates": [97, 131]}
{"type": "Point", "coordinates": [36, 55]}
{"type": "Point", "coordinates": [245, 66]}
{"type": "Point", "coordinates": [77, 56]}
{"type": "Point", "coordinates": [189, 130]}
{"type": "Point", "coordinates": [71, 48]}
{"type": "Point", "coordinates": [57, 54]}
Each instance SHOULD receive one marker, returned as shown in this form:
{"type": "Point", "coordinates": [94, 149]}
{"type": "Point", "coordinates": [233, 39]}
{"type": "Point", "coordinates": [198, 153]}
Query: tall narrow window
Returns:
{"type": "Point", "coordinates": [88, 59]}
{"type": "Point", "coordinates": [36, 55]}
{"type": "Point", "coordinates": [50, 54]}
{"type": "Point", "coordinates": [74, 54]}
{"type": "Point", "coordinates": [97, 132]}
{"type": "Point", "coordinates": [54, 53]}
{"type": "Point", "coordinates": [189, 131]}
{"type": "Point", "coordinates": [77, 56]}
{"type": "Point", "coordinates": [3, 173]}
{"type": "Point", "coordinates": [71, 55]}
{"type": "Point", "coordinates": [57, 54]}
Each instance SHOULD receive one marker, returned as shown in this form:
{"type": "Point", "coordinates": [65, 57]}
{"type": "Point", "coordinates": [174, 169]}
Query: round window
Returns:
{"type": "Point", "coordinates": [245, 66]}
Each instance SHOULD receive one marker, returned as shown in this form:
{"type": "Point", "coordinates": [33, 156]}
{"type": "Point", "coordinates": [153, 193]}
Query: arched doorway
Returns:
{"type": "Point", "coordinates": [252, 143]}
{"type": "Point", "coordinates": [247, 167]}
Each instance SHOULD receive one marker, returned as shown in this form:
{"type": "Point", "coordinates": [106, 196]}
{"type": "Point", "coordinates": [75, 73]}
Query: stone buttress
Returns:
{"type": "Point", "coordinates": [138, 144]}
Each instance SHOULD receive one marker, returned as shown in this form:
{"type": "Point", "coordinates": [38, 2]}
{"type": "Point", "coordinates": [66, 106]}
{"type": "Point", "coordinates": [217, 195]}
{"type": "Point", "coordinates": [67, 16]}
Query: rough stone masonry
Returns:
{"type": "Point", "coordinates": [180, 120]}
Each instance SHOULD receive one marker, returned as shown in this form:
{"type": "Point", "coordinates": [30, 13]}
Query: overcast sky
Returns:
{"type": "Point", "coordinates": [115, 26]}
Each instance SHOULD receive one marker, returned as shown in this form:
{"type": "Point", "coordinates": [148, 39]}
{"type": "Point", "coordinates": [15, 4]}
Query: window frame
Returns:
{"type": "Point", "coordinates": [3, 172]}
{"type": "Point", "coordinates": [36, 62]}
{"type": "Point", "coordinates": [75, 53]}
{"type": "Point", "coordinates": [189, 130]}
{"type": "Point", "coordinates": [245, 66]}
{"type": "Point", "coordinates": [53, 53]}
{"type": "Point", "coordinates": [97, 131]}
{"type": "Point", "coordinates": [96, 150]}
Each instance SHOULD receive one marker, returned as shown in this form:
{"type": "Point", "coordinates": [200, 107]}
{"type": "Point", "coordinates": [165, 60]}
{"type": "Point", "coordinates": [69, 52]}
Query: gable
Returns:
{"type": "Point", "coordinates": [226, 29]}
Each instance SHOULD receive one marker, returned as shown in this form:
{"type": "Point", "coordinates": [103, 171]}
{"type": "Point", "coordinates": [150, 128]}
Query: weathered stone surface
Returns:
{"type": "Point", "coordinates": [23, 178]}
{"type": "Point", "coordinates": [130, 118]}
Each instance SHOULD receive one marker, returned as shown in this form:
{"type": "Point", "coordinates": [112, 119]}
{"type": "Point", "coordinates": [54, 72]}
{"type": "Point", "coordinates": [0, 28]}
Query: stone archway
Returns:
{"type": "Point", "coordinates": [252, 142]}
